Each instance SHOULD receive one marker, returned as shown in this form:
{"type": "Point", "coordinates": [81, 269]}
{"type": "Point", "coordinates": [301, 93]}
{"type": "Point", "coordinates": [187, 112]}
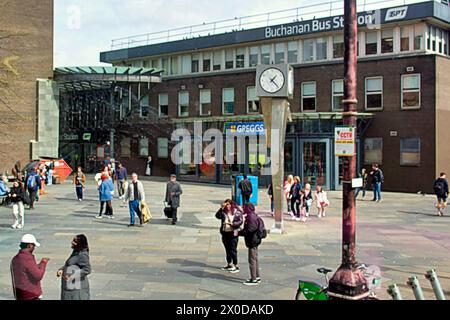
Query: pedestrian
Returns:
{"type": "Point", "coordinates": [307, 201]}
{"type": "Point", "coordinates": [51, 170]}
{"type": "Point", "coordinates": [74, 281]}
{"type": "Point", "coordinates": [26, 274]}
{"type": "Point", "coordinates": [246, 188]}
{"type": "Point", "coordinates": [33, 183]}
{"type": "Point", "coordinates": [322, 201]}
{"type": "Point", "coordinates": [135, 194]}
{"type": "Point", "coordinates": [42, 175]}
{"type": "Point", "coordinates": [231, 220]}
{"type": "Point", "coordinates": [79, 180]}
{"type": "Point", "coordinates": [148, 169]}
{"type": "Point", "coordinates": [441, 190]}
{"type": "Point", "coordinates": [173, 193]}
{"type": "Point", "coordinates": [377, 181]}
{"type": "Point", "coordinates": [287, 192]}
{"type": "Point", "coordinates": [106, 193]}
{"type": "Point", "coordinates": [121, 178]}
{"type": "Point", "coordinates": [270, 194]}
{"type": "Point", "coordinates": [363, 175]}
{"type": "Point", "coordinates": [16, 196]}
{"type": "Point", "coordinates": [295, 196]}
{"type": "Point", "coordinates": [252, 233]}
{"type": "Point", "coordinates": [4, 190]}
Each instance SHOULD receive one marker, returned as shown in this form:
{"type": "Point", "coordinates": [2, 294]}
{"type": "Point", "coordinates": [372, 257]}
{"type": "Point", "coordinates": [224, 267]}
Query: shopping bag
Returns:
{"type": "Point", "coordinates": [146, 214]}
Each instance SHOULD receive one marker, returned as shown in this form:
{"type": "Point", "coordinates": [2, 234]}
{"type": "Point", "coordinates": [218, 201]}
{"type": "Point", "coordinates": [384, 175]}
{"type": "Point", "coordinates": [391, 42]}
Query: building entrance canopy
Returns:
{"type": "Point", "coordinates": [89, 78]}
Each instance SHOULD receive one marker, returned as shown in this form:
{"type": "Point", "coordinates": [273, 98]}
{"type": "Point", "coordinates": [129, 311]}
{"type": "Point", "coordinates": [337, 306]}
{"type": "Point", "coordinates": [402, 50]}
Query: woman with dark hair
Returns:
{"type": "Point", "coordinates": [74, 281]}
{"type": "Point", "coordinates": [232, 219]}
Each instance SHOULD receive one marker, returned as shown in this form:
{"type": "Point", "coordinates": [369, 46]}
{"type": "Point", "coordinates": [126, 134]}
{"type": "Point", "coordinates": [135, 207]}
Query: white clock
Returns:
{"type": "Point", "coordinates": [272, 80]}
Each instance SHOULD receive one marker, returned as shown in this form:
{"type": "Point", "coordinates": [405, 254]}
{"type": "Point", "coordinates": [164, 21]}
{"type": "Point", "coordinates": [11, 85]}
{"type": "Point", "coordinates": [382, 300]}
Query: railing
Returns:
{"type": "Point", "coordinates": [307, 12]}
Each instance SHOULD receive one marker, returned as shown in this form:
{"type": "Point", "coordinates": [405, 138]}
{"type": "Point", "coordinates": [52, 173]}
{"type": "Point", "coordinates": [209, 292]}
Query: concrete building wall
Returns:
{"type": "Point", "coordinates": [442, 115]}
{"type": "Point", "coordinates": [26, 54]}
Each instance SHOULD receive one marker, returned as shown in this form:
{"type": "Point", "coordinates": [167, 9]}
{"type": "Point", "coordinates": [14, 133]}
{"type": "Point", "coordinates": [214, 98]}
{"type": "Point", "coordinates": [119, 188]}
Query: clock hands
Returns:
{"type": "Point", "coordinates": [273, 81]}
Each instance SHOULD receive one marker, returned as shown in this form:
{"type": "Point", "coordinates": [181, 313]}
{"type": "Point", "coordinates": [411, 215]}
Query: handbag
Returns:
{"type": "Point", "coordinates": [168, 211]}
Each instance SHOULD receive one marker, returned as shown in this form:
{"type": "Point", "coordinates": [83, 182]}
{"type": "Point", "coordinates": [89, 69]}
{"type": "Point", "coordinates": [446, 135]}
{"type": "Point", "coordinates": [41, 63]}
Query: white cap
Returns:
{"type": "Point", "coordinates": [29, 238]}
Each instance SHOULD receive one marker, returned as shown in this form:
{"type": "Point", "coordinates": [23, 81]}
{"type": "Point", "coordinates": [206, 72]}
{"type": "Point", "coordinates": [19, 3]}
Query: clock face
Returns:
{"type": "Point", "coordinates": [272, 80]}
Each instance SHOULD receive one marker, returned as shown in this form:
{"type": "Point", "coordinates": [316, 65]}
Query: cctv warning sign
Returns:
{"type": "Point", "coordinates": [345, 141]}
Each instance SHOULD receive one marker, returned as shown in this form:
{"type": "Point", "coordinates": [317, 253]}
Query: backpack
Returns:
{"type": "Point", "coordinates": [31, 182]}
{"type": "Point", "coordinates": [245, 187]}
{"type": "Point", "coordinates": [439, 187]}
{"type": "Point", "coordinates": [261, 232]}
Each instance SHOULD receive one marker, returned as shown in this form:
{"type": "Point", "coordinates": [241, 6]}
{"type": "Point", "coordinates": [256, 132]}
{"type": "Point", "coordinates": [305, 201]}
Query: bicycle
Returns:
{"type": "Point", "coordinates": [316, 292]}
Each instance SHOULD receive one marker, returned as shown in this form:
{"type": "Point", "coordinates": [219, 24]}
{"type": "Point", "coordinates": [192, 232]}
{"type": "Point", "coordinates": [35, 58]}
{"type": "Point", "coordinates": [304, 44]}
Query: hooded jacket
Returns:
{"type": "Point", "coordinates": [27, 275]}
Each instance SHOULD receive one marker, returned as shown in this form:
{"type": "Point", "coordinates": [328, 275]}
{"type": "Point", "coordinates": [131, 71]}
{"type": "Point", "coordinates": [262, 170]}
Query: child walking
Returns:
{"type": "Point", "coordinates": [322, 201]}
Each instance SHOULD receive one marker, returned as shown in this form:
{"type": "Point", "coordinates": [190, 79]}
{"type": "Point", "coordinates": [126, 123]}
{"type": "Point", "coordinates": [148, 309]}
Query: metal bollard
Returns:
{"type": "Point", "coordinates": [394, 292]}
{"type": "Point", "coordinates": [413, 282]}
{"type": "Point", "coordinates": [432, 276]}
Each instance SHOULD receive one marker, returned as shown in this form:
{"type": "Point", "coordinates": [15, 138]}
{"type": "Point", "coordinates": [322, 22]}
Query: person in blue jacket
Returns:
{"type": "Point", "coordinates": [3, 188]}
{"type": "Point", "coordinates": [106, 193]}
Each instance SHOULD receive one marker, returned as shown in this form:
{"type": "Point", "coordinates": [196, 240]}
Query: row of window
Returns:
{"type": "Point", "coordinates": [163, 147]}
{"type": "Point", "coordinates": [409, 151]}
{"type": "Point", "coordinates": [410, 97]}
{"type": "Point", "coordinates": [377, 42]}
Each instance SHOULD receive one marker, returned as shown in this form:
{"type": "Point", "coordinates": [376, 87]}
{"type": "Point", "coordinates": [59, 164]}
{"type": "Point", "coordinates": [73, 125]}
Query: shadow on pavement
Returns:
{"type": "Point", "coordinates": [424, 214]}
{"type": "Point", "coordinates": [210, 275]}
{"type": "Point", "coordinates": [189, 263]}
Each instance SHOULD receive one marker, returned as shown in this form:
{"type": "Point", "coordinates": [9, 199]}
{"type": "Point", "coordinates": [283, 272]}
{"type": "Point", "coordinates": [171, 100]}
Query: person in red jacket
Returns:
{"type": "Point", "coordinates": [26, 274]}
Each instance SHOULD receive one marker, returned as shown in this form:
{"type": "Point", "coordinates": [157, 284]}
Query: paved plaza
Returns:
{"type": "Point", "coordinates": [402, 235]}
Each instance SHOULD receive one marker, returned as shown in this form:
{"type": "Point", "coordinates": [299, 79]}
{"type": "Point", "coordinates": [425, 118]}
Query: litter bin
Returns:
{"type": "Point", "coordinates": [236, 193]}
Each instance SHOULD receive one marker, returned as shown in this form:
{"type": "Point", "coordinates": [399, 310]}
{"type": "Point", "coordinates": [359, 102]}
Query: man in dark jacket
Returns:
{"type": "Point", "coordinates": [16, 196]}
{"type": "Point", "coordinates": [173, 193]}
{"type": "Point", "coordinates": [441, 190]}
{"type": "Point", "coordinates": [121, 177]}
{"type": "Point", "coordinates": [377, 181]}
{"type": "Point", "coordinates": [33, 183]}
{"type": "Point", "coordinates": [246, 189]}
{"type": "Point", "coordinates": [26, 274]}
{"type": "Point", "coordinates": [252, 241]}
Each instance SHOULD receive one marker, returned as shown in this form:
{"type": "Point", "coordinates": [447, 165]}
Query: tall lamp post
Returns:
{"type": "Point", "coordinates": [349, 282]}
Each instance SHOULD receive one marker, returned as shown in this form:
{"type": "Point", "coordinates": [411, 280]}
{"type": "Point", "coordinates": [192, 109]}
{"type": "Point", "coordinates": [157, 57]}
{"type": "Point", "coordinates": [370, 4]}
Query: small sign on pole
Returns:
{"type": "Point", "coordinates": [345, 141]}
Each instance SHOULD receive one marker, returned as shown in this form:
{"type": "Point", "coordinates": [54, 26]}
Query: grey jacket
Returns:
{"type": "Point", "coordinates": [79, 267]}
{"type": "Point", "coordinates": [129, 196]}
{"type": "Point", "coordinates": [175, 188]}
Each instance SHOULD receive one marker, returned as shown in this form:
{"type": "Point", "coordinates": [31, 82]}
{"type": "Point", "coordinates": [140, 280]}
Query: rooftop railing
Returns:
{"type": "Point", "coordinates": [304, 13]}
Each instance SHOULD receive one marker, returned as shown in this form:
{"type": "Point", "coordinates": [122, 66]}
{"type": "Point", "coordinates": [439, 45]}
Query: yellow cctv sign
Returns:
{"type": "Point", "coordinates": [345, 141]}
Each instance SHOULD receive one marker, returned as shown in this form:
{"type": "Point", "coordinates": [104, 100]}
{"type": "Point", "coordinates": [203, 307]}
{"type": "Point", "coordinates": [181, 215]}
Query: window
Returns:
{"type": "Point", "coordinates": [321, 48]}
{"type": "Point", "coordinates": [163, 148]}
{"type": "Point", "coordinates": [228, 101]}
{"type": "Point", "coordinates": [293, 52]}
{"type": "Point", "coordinates": [145, 107]}
{"type": "Point", "coordinates": [279, 53]}
{"type": "Point", "coordinates": [308, 96]}
{"type": "Point", "coordinates": [265, 54]}
{"type": "Point", "coordinates": [155, 64]}
{"type": "Point", "coordinates": [146, 64]}
{"type": "Point", "coordinates": [308, 50]}
{"type": "Point", "coordinates": [373, 151]}
{"type": "Point", "coordinates": [163, 105]}
{"type": "Point", "coordinates": [445, 42]}
{"type": "Point", "coordinates": [410, 152]}
{"type": "Point", "coordinates": [433, 38]}
{"type": "Point", "coordinates": [207, 62]}
{"type": "Point", "coordinates": [405, 33]}
{"type": "Point", "coordinates": [371, 43]}
{"type": "Point", "coordinates": [125, 147]}
{"type": "Point", "coordinates": [217, 60]}
{"type": "Point", "coordinates": [411, 91]}
{"type": "Point", "coordinates": [195, 67]}
{"type": "Point", "coordinates": [229, 59]}
{"type": "Point", "coordinates": [205, 102]}
{"type": "Point", "coordinates": [252, 100]}
{"type": "Point", "coordinates": [186, 64]}
{"type": "Point", "coordinates": [165, 65]}
{"type": "Point", "coordinates": [183, 104]}
{"type": "Point", "coordinates": [240, 58]}
{"type": "Point", "coordinates": [439, 40]}
{"type": "Point", "coordinates": [387, 41]}
{"type": "Point", "coordinates": [374, 93]}
{"type": "Point", "coordinates": [143, 147]}
{"type": "Point", "coordinates": [338, 94]}
{"type": "Point", "coordinates": [254, 55]}
{"type": "Point", "coordinates": [174, 65]}
{"type": "Point", "coordinates": [338, 46]}
{"type": "Point", "coordinates": [418, 37]}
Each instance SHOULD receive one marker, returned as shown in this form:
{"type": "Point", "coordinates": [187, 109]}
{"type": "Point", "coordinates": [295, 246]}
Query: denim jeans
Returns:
{"type": "Point", "coordinates": [134, 207]}
{"type": "Point", "coordinates": [377, 191]}
{"type": "Point", "coordinates": [79, 190]}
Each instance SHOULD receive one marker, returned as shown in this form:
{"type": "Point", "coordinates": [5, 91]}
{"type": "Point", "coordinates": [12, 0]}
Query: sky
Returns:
{"type": "Point", "coordinates": [83, 28]}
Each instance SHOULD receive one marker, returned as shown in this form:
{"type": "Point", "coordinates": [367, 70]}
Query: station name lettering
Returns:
{"type": "Point", "coordinates": [316, 25]}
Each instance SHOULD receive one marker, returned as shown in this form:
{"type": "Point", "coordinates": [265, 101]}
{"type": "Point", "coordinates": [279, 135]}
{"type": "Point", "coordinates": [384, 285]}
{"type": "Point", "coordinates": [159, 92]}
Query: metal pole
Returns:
{"type": "Point", "coordinates": [394, 292]}
{"type": "Point", "coordinates": [349, 280]}
{"type": "Point", "coordinates": [413, 282]}
{"type": "Point", "coordinates": [432, 276]}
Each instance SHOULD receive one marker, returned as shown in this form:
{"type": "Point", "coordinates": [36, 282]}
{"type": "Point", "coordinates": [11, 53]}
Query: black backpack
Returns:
{"type": "Point", "coordinates": [245, 187]}
{"type": "Point", "coordinates": [439, 187]}
{"type": "Point", "coordinates": [261, 232]}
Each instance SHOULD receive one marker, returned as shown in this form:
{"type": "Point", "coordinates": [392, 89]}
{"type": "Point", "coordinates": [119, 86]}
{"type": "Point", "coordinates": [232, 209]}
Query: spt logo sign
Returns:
{"type": "Point", "coordinates": [396, 13]}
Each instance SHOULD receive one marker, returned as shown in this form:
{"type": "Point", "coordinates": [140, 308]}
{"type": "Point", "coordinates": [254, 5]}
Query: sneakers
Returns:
{"type": "Point", "coordinates": [303, 219]}
{"type": "Point", "coordinates": [251, 282]}
{"type": "Point", "coordinates": [294, 218]}
{"type": "Point", "coordinates": [111, 217]}
{"type": "Point", "coordinates": [234, 270]}
{"type": "Point", "coordinates": [258, 280]}
{"type": "Point", "coordinates": [99, 217]}
{"type": "Point", "coordinates": [80, 200]}
{"type": "Point", "coordinates": [130, 225]}
{"type": "Point", "coordinates": [297, 219]}
{"type": "Point", "coordinates": [226, 268]}
{"type": "Point", "coordinates": [20, 226]}
{"type": "Point", "coordinates": [14, 226]}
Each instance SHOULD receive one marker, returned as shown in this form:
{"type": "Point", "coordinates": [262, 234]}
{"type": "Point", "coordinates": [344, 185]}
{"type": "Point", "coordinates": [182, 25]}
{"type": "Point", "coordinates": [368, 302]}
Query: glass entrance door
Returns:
{"type": "Point", "coordinates": [289, 157]}
{"type": "Point", "coordinates": [316, 162]}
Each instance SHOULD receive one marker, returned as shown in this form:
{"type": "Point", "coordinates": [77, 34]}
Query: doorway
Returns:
{"type": "Point", "coordinates": [315, 160]}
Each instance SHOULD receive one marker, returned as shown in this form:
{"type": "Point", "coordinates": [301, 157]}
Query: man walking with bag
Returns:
{"type": "Point", "coordinates": [134, 195]}
{"type": "Point", "coordinates": [441, 190]}
{"type": "Point", "coordinates": [246, 189]}
{"type": "Point", "coordinates": [173, 193]}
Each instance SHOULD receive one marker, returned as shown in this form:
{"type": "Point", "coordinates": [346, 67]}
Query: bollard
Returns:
{"type": "Point", "coordinates": [413, 282]}
{"type": "Point", "coordinates": [394, 292]}
{"type": "Point", "coordinates": [432, 276]}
